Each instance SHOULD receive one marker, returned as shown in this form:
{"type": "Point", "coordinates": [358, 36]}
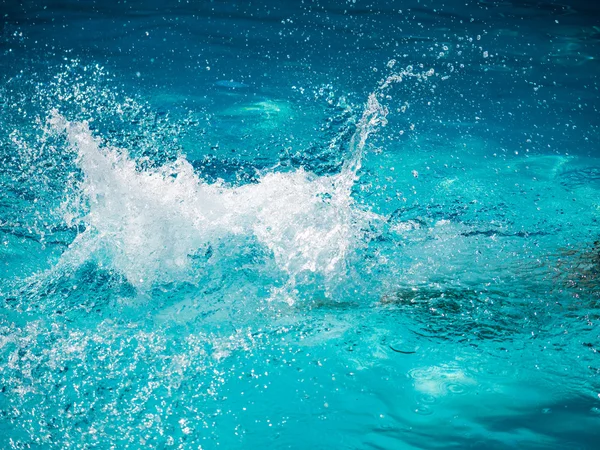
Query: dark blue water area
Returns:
{"type": "Point", "coordinates": [309, 224]}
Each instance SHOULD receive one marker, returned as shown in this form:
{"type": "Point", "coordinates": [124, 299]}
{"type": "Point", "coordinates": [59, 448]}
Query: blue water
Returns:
{"type": "Point", "coordinates": [334, 224]}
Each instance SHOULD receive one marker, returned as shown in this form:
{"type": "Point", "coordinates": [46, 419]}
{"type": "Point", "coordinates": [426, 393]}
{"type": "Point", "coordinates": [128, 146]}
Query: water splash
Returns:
{"type": "Point", "coordinates": [148, 224]}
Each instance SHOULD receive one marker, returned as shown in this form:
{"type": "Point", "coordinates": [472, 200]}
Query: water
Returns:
{"type": "Point", "coordinates": [299, 224]}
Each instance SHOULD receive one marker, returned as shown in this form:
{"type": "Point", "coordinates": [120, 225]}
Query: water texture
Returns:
{"type": "Point", "coordinates": [336, 224]}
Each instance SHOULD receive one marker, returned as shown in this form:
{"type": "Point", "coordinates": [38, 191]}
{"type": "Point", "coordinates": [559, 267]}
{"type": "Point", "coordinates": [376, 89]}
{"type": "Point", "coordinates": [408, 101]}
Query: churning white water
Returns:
{"type": "Point", "coordinates": [147, 224]}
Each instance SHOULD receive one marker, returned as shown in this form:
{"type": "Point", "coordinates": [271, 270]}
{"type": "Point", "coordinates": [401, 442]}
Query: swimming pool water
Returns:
{"type": "Point", "coordinates": [330, 224]}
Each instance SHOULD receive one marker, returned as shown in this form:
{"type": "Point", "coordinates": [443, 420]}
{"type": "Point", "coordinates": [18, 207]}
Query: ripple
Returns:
{"type": "Point", "coordinates": [426, 398]}
{"type": "Point", "coordinates": [437, 381]}
{"type": "Point", "coordinates": [456, 388]}
{"type": "Point", "coordinates": [424, 410]}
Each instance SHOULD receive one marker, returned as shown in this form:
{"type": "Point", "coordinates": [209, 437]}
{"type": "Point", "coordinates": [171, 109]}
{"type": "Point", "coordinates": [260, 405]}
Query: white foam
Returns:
{"type": "Point", "coordinates": [147, 223]}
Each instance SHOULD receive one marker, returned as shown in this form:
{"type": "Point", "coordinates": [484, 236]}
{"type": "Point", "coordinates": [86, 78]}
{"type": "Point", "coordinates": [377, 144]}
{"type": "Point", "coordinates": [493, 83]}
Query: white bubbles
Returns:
{"type": "Point", "coordinates": [160, 224]}
{"type": "Point", "coordinates": [148, 224]}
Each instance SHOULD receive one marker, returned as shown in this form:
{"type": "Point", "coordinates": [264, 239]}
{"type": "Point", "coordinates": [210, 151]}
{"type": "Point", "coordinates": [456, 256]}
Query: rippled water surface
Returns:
{"type": "Point", "coordinates": [336, 224]}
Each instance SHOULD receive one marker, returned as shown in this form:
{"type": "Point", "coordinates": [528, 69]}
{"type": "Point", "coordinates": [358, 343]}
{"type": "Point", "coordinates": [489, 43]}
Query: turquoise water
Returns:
{"type": "Point", "coordinates": [350, 224]}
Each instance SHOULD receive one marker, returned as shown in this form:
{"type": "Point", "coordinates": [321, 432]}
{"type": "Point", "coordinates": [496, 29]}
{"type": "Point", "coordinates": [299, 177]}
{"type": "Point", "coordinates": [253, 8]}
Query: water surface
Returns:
{"type": "Point", "coordinates": [326, 224]}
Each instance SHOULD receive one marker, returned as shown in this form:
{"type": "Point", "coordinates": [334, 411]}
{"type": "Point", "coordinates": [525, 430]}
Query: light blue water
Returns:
{"type": "Point", "coordinates": [299, 225]}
